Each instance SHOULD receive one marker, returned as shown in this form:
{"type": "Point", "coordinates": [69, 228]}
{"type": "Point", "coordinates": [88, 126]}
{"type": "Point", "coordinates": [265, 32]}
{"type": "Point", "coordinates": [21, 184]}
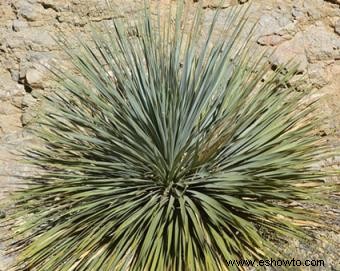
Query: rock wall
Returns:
{"type": "Point", "coordinates": [306, 30]}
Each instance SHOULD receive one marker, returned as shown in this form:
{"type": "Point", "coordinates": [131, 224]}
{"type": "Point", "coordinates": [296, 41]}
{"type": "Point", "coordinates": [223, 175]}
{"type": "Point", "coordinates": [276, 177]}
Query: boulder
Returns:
{"type": "Point", "coordinates": [292, 50]}
{"type": "Point", "coordinates": [321, 44]}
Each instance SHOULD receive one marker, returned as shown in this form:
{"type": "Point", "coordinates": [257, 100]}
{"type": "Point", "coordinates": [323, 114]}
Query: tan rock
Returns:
{"type": "Point", "coordinates": [27, 116]}
{"type": "Point", "coordinates": [59, 5]}
{"type": "Point", "coordinates": [35, 77]}
{"type": "Point", "coordinates": [318, 75]}
{"type": "Point", "coordinates": [6, 12]}
{"type": "Point", "coordinates": [40, 39]}
{"type": "Point", "coordinates": [313, 8]}
{"type": "Point", "coordinates": [321, 44]}
{"type": "Point", "coordinates": [19, 25]}
{"type": "Point", "coordinates": [28, 101]}
{"type": "Point", "coordinates": [273, 40]}
{"type": "Point", "coordinates": [330, 105]}
{"type": "Point", "coordinates": [6, 108]}
{"type": "Point", "coordinates": [291, 50]}
{"type": "Point", "coordinates": [9, 88]}
{"type": "Point", "coordinates": [337, 27]}
{"type": "Point", "coordinates": [34, 69]}
{"type": "Point", "coordinates": [29, 10]}
{"type": "Point", "coordinates": [10, 123]}
{"type": "Point", "coordinates": [275, 27]}
{"type": "Point", "coordinates": [15, 41]}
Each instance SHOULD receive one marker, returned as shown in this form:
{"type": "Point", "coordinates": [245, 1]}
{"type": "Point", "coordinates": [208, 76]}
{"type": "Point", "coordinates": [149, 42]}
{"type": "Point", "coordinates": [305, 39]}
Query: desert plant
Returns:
{"type": "Point", "coordinates": [167, 151]}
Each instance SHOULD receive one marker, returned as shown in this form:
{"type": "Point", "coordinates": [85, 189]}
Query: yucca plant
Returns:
{"type": "Point", "coordinates": [167, 151]}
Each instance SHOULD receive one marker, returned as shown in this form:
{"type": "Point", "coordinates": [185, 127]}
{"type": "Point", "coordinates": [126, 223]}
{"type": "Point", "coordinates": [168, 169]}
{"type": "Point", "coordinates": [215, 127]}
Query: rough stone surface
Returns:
{"type": "Point", "coordinates": [293, 49]}
{"type": "Point", "coordinates": [320, 44]}
{"type": "Point", "coordinates": [337, 27]}
{"type": "Point", "coordinates": [306, 31]}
